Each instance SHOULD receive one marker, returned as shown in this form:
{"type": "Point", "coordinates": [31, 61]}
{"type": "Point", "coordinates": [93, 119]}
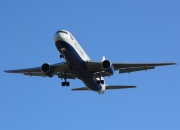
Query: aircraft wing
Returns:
{"type": "Point", "coordinates": [96, 67]}
{"type": "Point", "coordinates": [57, 69]}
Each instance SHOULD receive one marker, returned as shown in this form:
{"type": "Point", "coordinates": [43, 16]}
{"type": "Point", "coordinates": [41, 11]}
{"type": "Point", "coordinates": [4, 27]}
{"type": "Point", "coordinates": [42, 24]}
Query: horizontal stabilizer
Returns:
{"type": "Point", "coordinates": [128, 70]}
{"type": "Point", "coordinates": [118, 87]}
{"type": "Point", "coordinates": [107, 87]}
{"type": "Point", "coordinates": [80, 89]}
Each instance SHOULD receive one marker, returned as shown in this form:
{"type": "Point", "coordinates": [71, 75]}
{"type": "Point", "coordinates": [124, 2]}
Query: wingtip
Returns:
{"type": "Point", "coordinates": [5, 71]}
{"type": "Point", "coordinates": [173, 63]}
{"type": "Point", "coordinates": [8, 71]}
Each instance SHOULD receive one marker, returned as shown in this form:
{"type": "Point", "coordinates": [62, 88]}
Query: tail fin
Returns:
{"type": "Point", "coordinates": [104, 58]}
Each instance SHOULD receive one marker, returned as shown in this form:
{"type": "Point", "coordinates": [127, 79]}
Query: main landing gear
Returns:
{"type": "Point", "coordinates": [100, 81]}
{"type": "Point", "coordinates": [64, 77]}
{"type": "Point", "coordinates": [65, 83]}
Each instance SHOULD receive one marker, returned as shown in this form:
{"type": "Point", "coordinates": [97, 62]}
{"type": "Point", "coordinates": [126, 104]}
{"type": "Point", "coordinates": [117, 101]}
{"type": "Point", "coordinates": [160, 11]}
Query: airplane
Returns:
{"type": "Point", "coordinates": [77, 64]}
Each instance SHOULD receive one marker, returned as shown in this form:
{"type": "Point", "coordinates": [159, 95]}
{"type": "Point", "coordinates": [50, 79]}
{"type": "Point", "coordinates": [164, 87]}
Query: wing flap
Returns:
{"type": "Point", "coordinates": [67, 76]}
{"type": "Point", "coordinates": [111, 87]}
{"type": "Point", "coordinates": [102, 73]}
{"type": "Point", "coordinates": [128, 70]}
{"type": "Point", "coordinates": [34, 74]}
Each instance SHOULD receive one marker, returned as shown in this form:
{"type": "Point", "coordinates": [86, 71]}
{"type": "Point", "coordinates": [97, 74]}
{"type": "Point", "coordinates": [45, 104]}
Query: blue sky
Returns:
{"type": "Point", "coordinates": [123, 31]}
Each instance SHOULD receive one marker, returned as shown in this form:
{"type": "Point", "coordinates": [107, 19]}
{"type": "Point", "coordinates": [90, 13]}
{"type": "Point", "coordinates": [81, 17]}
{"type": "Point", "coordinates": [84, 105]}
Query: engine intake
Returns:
{"type": "Point", "coordinates": [46, 68]}
{"type": "Point", "coordinates": [108, 67]}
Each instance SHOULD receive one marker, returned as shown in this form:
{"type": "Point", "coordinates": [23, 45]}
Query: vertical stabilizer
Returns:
{"type": "Point", "coordinates": [104, 58]}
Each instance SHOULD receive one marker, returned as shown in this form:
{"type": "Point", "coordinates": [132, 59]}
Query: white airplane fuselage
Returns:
{"type": "Point", "coordinates": [76, 59]}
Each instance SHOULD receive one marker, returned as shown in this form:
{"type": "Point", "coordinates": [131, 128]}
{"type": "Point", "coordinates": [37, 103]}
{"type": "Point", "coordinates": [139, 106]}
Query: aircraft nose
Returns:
{"type": "Point", "coordinates": [57, 36]}
{"type": "Point", "coordinates": [57, 31]}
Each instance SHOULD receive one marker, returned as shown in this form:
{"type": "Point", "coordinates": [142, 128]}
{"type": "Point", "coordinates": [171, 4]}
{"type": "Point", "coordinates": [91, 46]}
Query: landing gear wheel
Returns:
{"type": "Point", "coordinates": [98, 82]}
{"type": "Point", "coordinates": [61, 56]}
{"type": "Point", "coordinates": [102, 81]}
{"type": "Point", "coordinates": [63, 84]}
{"type": "Point", "coordinates": [67, 83]}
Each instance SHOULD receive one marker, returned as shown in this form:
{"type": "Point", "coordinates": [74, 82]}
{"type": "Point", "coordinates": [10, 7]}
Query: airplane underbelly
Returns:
{"type": "Point", "coordinates": [81, 71]}
{"type": "Point", "coordinates": [88, 79]}
{"type": "Point", "coordinates": [92, 84]}
{"type": "Point", "coordinates": [78, 66]}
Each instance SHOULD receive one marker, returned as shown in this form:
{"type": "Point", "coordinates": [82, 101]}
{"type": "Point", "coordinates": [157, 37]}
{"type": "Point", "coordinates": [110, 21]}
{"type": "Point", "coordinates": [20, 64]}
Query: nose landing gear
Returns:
{"type": "Point", "coordinates": [62, 52]}
{"type": "Point", "coordinates": [61, 56]}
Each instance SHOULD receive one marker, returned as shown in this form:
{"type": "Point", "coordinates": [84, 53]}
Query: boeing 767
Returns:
{"type": "Point", "coordinates": [77, 64]}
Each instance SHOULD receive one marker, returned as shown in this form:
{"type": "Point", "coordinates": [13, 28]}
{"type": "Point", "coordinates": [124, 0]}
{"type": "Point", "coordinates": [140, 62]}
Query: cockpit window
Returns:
{"type": "Point", "coordinates": [64, 32]}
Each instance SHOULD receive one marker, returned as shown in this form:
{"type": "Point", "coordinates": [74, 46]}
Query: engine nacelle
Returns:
{"type": "Point", "coordinates": [108, 67]}
{"type": "Point", "coordinates": [46, 68]}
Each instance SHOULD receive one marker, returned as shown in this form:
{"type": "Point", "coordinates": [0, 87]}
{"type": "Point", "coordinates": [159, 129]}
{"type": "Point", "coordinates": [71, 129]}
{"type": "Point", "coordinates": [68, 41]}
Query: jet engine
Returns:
{"type": "Point", "coordinates": [46, 68]}
{"type": "Point", "coordinates": [108, 67]}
